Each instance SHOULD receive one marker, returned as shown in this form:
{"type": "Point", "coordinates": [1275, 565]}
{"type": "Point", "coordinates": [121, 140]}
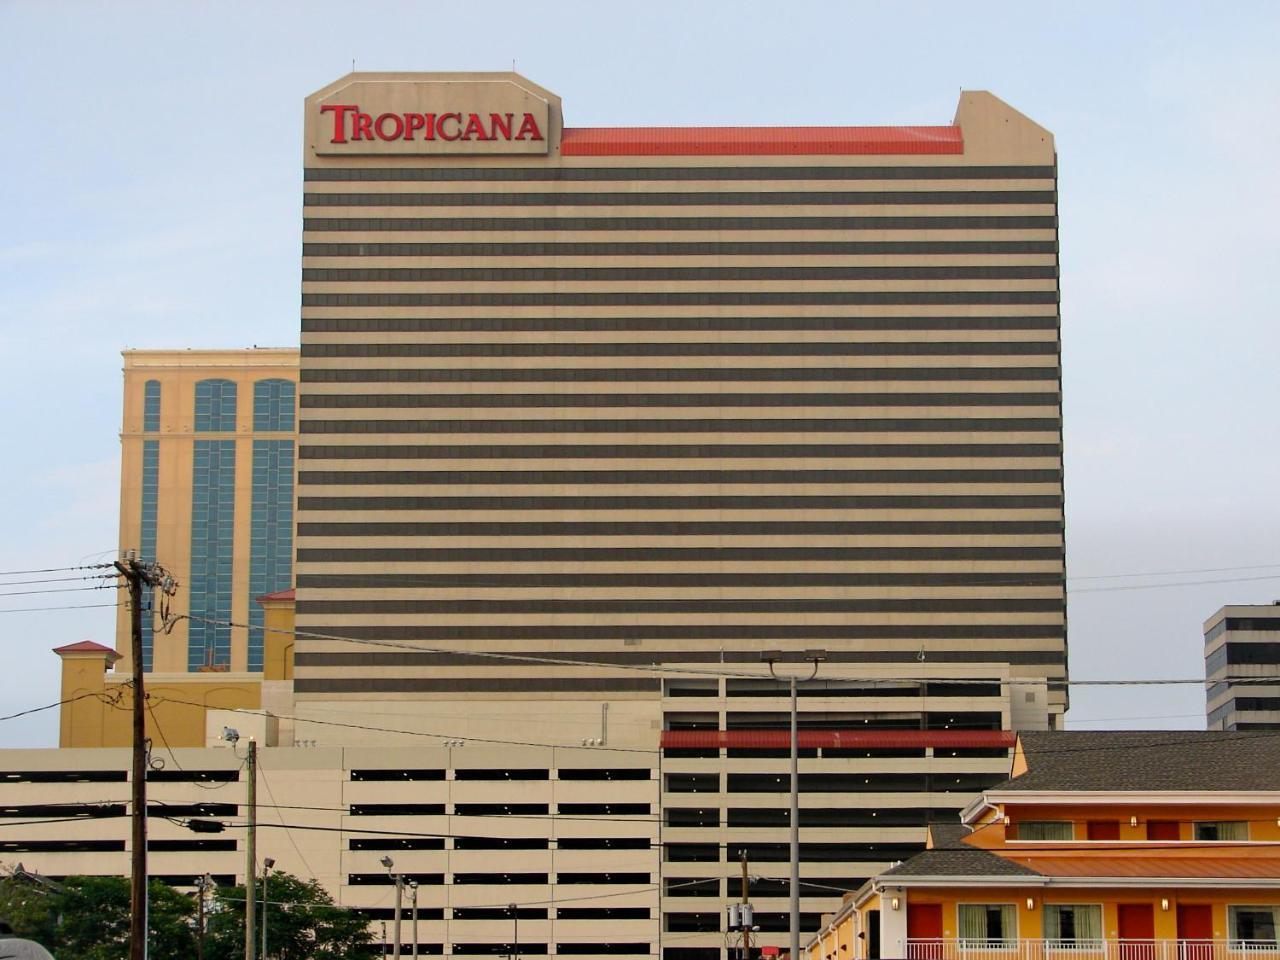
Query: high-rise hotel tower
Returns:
{"type": "Point", "coordinates": [671, 395]}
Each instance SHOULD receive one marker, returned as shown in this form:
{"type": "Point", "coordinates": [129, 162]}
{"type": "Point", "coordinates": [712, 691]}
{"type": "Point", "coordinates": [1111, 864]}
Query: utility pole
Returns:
{"type": "Point", "coordinates": [267, 864]}
{"type": "Point", "coordinates": [515, 931]}
{"type": "Point", "coordinates": [816, 657]}
{"type": "Point", "coordinates": [747, 918]}
{"type": "Point", "coordinates": [136, 574]}
{"type": "Point", "coordinates": [399, 881]}
{"type": "Point", "coordinates": [413, 889]}
{"type": "Point", "coordinates": [251, 854]}
{"type": "Point", "coordinates": [201, 886]}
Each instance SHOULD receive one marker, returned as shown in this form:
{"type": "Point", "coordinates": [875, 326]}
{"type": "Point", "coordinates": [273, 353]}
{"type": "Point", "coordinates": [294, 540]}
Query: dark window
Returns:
{"type": "Point", "coordinates": [397, 774]}
{"type": "Point", "coordinates": [693, 782]}
{"type": "Point", "coordinates": [63, 776]}
{"type": "Point", "coordinates": [692, 923]}
{"type": "Point", "coordinates": [1102, 830]}
{"type": "Point", "coordinates": [602, 878]}
{"type": "Point", "coordinates": [619, 948]}
{"type": "Point", "coordinates": [471, 879]}
{"type": "Point", "coordinates": [189, 845]}
{"type": "Point", "coordinates": [759, 816]}
{"type": "Point", "coordinates": [69, 846]}
{"type": "Point", "coordinates": [396, 843]}
{"type": "Point", "coordinates": [384, 879]}
{"type": "Point", "coordinates": [691, 852]}
{"type": "Point", "coordinates": [498, 949]}
{"type": "Point", "coordinates": [499, 913]}
{"type": "Point", "coordinates": [693, 816]}
{"type": "Point", "coordinates": [690, 887]}
{"type": "Point", "coordinates": [500, 843]}
{"type": "Point", "coordinates": [602, 913]}
{"type": "Point", "coordinates": [612, 773]}
{"type": "Point", "coordinates": [603, 843]}
{"type": "Point", "coordinates": [501, 774]}
{"type": "Point", "coordinates": [397, 809]}
{"type": "Point", "coordinates": [604, 809]}
{"type": "Point", "coordinates": [499, 809]}
{"type": "Point", "coordinates": [193, 776]}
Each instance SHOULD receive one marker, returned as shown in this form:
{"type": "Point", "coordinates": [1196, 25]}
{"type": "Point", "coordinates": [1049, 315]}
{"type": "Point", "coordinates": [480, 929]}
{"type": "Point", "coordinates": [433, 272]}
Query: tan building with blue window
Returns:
{"type": "Point", "coordinates": [207, 489]}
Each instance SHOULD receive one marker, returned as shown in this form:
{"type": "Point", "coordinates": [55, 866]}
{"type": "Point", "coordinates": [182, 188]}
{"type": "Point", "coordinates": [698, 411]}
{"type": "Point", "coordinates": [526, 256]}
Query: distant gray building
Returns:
{"type": "Point", "coordinates": [1243, 641]}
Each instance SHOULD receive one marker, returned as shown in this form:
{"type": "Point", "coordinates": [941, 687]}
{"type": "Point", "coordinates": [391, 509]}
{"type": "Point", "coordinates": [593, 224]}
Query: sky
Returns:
{"type": "Point", "coordinates": [151, 193]}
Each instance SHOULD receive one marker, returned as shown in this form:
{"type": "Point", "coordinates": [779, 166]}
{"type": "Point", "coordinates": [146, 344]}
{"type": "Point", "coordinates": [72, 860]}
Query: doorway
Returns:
{"type": "Point", "coordinates": [1136, 929]}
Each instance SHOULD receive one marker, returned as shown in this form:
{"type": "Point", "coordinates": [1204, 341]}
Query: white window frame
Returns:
{"type": "Point", "coordinates": [1234, 941]}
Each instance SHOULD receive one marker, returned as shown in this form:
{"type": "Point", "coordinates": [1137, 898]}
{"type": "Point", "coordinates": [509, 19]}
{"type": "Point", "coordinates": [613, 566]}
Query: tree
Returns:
{"type": "Point", "coordinates": [303, 923]}
{"type": "Point", "coordinates": [88, 917]}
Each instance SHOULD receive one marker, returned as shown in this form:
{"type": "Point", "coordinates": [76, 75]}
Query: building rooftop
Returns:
{"type": "Point", "coordinates": [1146, 760]}
{"type": "Point", "coordinates": [759, 141]}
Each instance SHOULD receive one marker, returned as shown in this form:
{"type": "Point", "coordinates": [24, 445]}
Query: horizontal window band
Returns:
{"type": "Point", "coordinates": [689, 299]}
{"type": "Point", "coordinates": [640, 451]}
{"type": "Point", "coordinates": [784, 502]}
{"type": "Point", "coordinates": [476, 684]}
{"type": "Point", "coordinates": [684, 554]}
{"type": "Point", "coordinates": [677, 374]}
{"type": "Point", "coordinates": [993, 632]}
{"type": "Point", "coordinates": [433, 324]}
{"type": "Point", "coordinates": [691, 425]}
{"type": "Point", "coordinates": [682, 198]}
{"type": "Point", "coordinates": [403, 658]}
{"type": "Point", "coordinates": [469, 401]}
{"type": "Point", "coordinates": [628, 174]}
{"type": "Point", "coordinates": [698, 605]}
{"type": "Point", "coordinates": [669, 274]}
{"type": "Point", "coordinates": [905, 348]}
{"type": "Point", "coordinates": [633, 224]}
{"type": "Point", "coordinates": [679, 528]}
{"type": "Point", "coordinates": [789, 477]}
{"type": "Point", "coordinates": [400, 581]}
{"type": "Point", "coordinates": [708, 248]}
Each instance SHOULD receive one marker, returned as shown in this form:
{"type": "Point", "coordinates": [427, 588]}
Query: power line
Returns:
{"type": "Point", "coordinates": [90, 566]}
{"type": "Point", "coordinates": [25, 593]}
{"type": "Point", "coordinates": [71, 606]}
{"type": "Point", "coordinates": [94, 576]}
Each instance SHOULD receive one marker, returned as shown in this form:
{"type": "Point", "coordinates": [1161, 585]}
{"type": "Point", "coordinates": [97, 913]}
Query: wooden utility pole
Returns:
{"type": "Point", "coordinates": [747, 919]}
{"type": "Point", "coordinates": [136, 574]}
{"type": "Point", "coordinates": [251, 855]}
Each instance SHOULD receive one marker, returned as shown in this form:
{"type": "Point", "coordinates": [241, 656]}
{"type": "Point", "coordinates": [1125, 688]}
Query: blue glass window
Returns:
{"type": "Point", "coordinates": [273, 402]}
{"type": "Point", "coordinates": [271, 526]}
{"type": "Point", "coordinates": [212, 523]}
{"type": "Point", "coordinates": [147, 538]}
{"type": "Point", "coordinates": [151, 406]}
{"type": "Point", "coordinates": [215, 406]}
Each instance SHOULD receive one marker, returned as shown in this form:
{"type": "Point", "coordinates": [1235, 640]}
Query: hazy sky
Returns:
{"type": "Point", "coordinates": [152, 198]}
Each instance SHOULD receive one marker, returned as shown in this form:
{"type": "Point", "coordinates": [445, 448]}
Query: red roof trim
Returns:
{"type": "Point", "coordinates": [780, 739]}
{"type": "Point", "coordinates": [278, 595]}
{"type": "Point", "coordinates": [758, 141]}
{"type": "Point", "coordinates": [86, 646]}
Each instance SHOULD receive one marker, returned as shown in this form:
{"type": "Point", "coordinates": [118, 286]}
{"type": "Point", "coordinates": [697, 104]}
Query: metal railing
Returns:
{"type": "Point", "coordinates": [984, 949]}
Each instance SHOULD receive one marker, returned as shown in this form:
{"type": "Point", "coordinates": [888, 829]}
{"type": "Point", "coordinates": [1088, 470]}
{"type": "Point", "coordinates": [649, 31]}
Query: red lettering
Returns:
{"type": "Point", "coordinates": [500, 123]}
{"type": "Point", "coordinates": [412, 123]}
{"type": "Point", "coordinates": [363, 127]}
{"type": "Point", "coordinates": [529, 127]}
{"type": "Point", "coordinates": [339, 111]}
{"type": "Point", "coordinates": [397, 128]}
{"type": "Point", "coordinates": [431, 126]}
{"type": "Point", "coordinates": [475, 128]}
{"type": "Point", "coordinates": [444, 134]}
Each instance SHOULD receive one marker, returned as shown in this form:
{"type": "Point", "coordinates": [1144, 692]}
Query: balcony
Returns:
{"type": "Point", "coordinates": [1091, 950]}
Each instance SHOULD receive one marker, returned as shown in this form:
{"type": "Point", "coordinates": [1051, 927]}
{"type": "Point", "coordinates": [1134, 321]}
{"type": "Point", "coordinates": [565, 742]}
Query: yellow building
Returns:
{"type": "Point", "coordinates": [1159, 845]}
{"type": "Point", "coordinates": [207, 489]}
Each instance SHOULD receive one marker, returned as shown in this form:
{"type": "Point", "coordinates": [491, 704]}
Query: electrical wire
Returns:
{"type": "Point", "coordinates": [48, 706]}
{"type": "Point", "coordinates": [27, 593]}
{"type": "Point", "coordinates": [74, 606]}
{"type": "Point", "coordinates": [288, 833]}
{"type": "Point", "coordinates": [89, 566]}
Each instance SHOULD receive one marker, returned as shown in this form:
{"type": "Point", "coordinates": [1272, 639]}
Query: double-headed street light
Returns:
{"type": "Point", "coordinates": [815, 657]}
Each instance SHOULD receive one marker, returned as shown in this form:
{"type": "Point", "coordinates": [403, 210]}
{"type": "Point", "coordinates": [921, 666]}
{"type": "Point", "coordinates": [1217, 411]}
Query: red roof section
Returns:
{"type": "Point", "coordinates": [278, 595]}
{"type": "Point", "coordinates": [86, 646]}
{"type": "Point", "coordinates": [1220, 867]}
{"type": "Point", "coordinates": [781, 739]}
{"type": "Point", "coordinates": [757, 141]}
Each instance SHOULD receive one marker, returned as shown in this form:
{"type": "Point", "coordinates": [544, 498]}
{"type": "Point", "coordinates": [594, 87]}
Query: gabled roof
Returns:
{"type": "Point", "coordinates": [960, 860]}
{"type": "Point", "coordinates": [86, 646]}
{"type": "Point", "coordinates": [279, 595]}
{"type": "Point", "coordinates": [1146, 760]}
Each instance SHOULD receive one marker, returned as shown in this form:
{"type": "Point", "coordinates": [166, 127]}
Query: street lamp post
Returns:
{"type": "Point", "coordinates": [267, 864]}
{"type": "Point", "coordinates": [389, 863]}
{"type": "Point", "coordinates": [515, 930]}
{"type": "Point", "coordinates": [413, 893]}
{"type": "Point", "coordinates": [815, 657]}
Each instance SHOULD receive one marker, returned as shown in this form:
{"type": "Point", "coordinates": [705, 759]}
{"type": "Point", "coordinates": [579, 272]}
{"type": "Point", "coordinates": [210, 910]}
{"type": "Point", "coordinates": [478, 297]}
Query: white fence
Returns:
{"type": "Point", "coordinates": [1091, 950]}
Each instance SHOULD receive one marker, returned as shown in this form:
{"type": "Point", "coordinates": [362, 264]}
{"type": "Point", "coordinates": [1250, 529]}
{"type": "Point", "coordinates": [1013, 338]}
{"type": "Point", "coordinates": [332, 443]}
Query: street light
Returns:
{"type": "Point", "coordinates": [267, 864]}
{"type": "Point", "coordinates": [389, 863]}
{"type": "Point", "coordinates": [413, 893]}
{"type": "Point", "coordinates": [815, 657]}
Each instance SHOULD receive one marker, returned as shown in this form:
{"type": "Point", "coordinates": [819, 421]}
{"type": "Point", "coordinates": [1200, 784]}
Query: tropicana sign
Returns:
{"type": "Point", "coordinates": [432, 114]}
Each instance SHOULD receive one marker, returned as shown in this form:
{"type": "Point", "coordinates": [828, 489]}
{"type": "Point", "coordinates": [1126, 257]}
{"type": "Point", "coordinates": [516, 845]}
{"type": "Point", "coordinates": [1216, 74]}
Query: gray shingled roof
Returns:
{"type": "Point", "coordinates": [961, 860]}
{"type": "Point", "coordinates": [1148, 760]}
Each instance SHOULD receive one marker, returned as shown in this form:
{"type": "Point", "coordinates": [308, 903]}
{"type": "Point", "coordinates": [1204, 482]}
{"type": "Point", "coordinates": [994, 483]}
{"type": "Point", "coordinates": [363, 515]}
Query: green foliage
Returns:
{"type": "Point", "coordinates": [88, 917]}
{"type": "Point", "coordinates": [302, 924]}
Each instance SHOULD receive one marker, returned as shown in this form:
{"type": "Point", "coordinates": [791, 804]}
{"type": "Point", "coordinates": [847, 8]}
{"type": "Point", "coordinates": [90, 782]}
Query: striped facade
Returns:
{"type": "Point", "coordinates": [677, 397]}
